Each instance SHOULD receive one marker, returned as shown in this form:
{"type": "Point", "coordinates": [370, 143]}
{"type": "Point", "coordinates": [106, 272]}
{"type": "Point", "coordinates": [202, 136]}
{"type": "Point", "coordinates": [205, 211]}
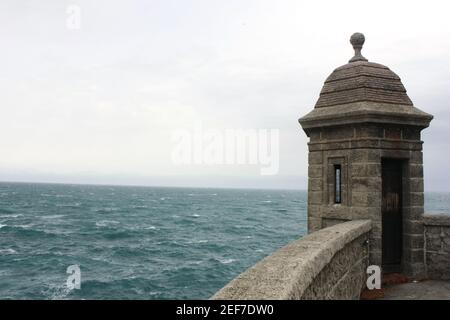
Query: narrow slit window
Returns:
{"type": "Point", "coordinates": [337, 183]}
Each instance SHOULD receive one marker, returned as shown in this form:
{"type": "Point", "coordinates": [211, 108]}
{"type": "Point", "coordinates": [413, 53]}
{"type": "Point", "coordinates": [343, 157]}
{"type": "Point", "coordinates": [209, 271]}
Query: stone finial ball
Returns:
{"type": "Point", "coordinates": [357, 39]}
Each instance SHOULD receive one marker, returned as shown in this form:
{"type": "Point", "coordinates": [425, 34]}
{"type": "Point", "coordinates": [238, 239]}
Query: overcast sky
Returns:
{"type": "Point", "coordinates": [99, 104]}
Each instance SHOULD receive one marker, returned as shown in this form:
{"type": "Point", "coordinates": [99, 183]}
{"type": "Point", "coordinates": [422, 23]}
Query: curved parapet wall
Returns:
{"type": "Point", "coordinates": [437, 245]}
{"type": "Point", "coordinates": [326, 264]}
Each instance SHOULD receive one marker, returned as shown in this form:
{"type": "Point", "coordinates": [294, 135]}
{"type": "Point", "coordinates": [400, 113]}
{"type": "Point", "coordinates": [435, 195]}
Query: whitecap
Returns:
{"type": "Point", "coordinates": [53, 216]}
{"type": "Point", "coordinates": [195, 215]}
{"type": "Point", "coordinates": [68, 205]}
{"type": "Point", "coordinates": [226, 261]}
{"type": "Point", "coordinates": [267, 201]}
{"type": "Point", "coordinates": [105, 223]}
{"type": "Point", "coordinates": [150, 228]}
{"type": "Point", "coordinates": [24, 226]}
{"type": "Point", "coordinates": [7, 251]}
{"type": "Point", "coordinates": [57, 292]}
{"type": "Point", "coordinates": [2, 225]}
{"type": "Point", "coordinates": [11, 215]}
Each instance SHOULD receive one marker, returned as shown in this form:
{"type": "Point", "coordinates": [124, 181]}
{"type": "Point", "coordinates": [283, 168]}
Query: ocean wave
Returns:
{"type": "Point", "coordinates": [26, 231]}
{"type": "Point", "coordinates": [139, 206]}
{"type": "Point", "coordinates": [57, 292]}
{"type": "Point", "coordinates": [69, 205]}
{"type": "Point", "coordinates": [8, 251]}
{"type": "Point", "coordinates": [106, 223]}
{"type": "Point", "coordinates": [11, 215]}
{"type": "Point", "coordinates": [226, 261]}
{"type": "Point", "coordinates": [53, 216]}
{"type": "Point", "coordinates": [241, 226]}
{"type": "Point", "coordinates": [2, 225]}
{"type": "Point", "coordinates": [107, 210]}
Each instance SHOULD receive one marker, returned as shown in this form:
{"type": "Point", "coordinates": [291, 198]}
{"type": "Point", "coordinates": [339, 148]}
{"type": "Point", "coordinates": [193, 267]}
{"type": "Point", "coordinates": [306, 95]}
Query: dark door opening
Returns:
{"type": "Point", "coordinates": [391, 215]}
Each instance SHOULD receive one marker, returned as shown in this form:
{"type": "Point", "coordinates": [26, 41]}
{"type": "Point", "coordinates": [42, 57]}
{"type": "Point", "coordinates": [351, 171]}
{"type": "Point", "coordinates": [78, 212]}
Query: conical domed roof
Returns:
{"type": "Point", "coordinates": [362, 81]}
{"type": "Point", "coordinates": [362, 91]}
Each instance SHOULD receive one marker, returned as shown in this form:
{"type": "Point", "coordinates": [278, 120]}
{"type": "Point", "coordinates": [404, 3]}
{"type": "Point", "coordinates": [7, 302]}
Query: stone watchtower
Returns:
{"type": "Point", "coordinates": [365, 160]}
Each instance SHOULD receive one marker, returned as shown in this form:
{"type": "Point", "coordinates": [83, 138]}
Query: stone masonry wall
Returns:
{"type": "Point", "coordinates": [359, 149]}
{"type": "Point", "coordinates": [437, 246]}
{"type": "Point", "coordinates": [327, 264]}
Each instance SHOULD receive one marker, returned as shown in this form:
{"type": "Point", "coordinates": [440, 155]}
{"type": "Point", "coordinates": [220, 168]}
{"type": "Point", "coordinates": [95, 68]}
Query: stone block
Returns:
{"type": "Point", "coordinates": [314, 224]}
{"type": "Point", "coordinates": [369, 131]}
{"type": "Point", "coordinates": [315, 184]}
{"type": "Point", "coordinates": [413, 212]}
{"type": "Point", "coordinates": [394, 133]}
{"type": "Point", "coordinates": [411, 134]}
{"type": "Point", "coordinates": [315, 171]}
{"type": "Point", "coordinates": [416, 185]}
{"type": "Point", "coordinates": [413, 241]}
{"type": "Point", "coordinates": [314, 197]}
{"type": "Point", "coordinates": [365, 170]}
{"type": "Point", "coordinates": [367, 184]}
{"type": "Point", "coordinates": [416, 157]}
{"type": "Point", "coordinates": [315, 157]}
{"type": "Point", "coordinates": [416, 199]}
{"type": "Point", "coordinates": [360, 199]}
{"type": "Point", "coordinates": [365, 155]}
{"type": "Point", "coordinates": [415, 171]}
{"type": "Point", "coordinates": [412, 226]}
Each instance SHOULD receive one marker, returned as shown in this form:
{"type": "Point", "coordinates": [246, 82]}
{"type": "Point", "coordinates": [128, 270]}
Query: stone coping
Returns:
{"type": "Point", "coordinates": [362, 112]}
{"type": "Point", "coordinates": [295, 266]}
{"type": "Point", "coordinates": [432, 219]}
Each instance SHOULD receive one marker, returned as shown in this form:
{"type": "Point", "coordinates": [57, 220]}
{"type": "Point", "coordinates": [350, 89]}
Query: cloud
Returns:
{"type": "Point", "coordinates": [105, 99]}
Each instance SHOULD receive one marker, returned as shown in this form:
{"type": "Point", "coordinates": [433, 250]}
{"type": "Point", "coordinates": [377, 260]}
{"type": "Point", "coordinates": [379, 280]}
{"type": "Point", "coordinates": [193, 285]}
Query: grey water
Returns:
{"type": "Point", "coordinates": [142, 242]}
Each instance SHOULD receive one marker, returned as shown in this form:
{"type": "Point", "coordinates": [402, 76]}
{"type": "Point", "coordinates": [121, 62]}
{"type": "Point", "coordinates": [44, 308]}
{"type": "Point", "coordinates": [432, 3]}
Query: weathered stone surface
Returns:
{"type": "Point", "coordinates": [362, 81]}
{"type": "Point", "coordinates": [423, 290]}
{"type": "Point", "coordinates": [363, 117]}
{"type": "Point", "coordinates": [338, 251]}
{"type": "Point", "coordinates": [315, 157]}
{"type": "Point", "coordinates": [437, 266]}
{"type": "Point", "coordinates": [416, 171]}
{"type": "Point", "coordinates": [413, 227]}
{"type": "Point", "coordinates": [315, 171]}
{"type": "Point", "coordinates": [436, 219]}
{"type": "Point", "coordinates": [437, 245]}
{"type": "Point", "coordinates": [348, 265]}
{"type": "Point", "coordinates": [315, 184]}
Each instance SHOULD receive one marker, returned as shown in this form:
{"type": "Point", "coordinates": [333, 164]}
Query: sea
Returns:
{"type": "Point", "coordinates": [142, 242]}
